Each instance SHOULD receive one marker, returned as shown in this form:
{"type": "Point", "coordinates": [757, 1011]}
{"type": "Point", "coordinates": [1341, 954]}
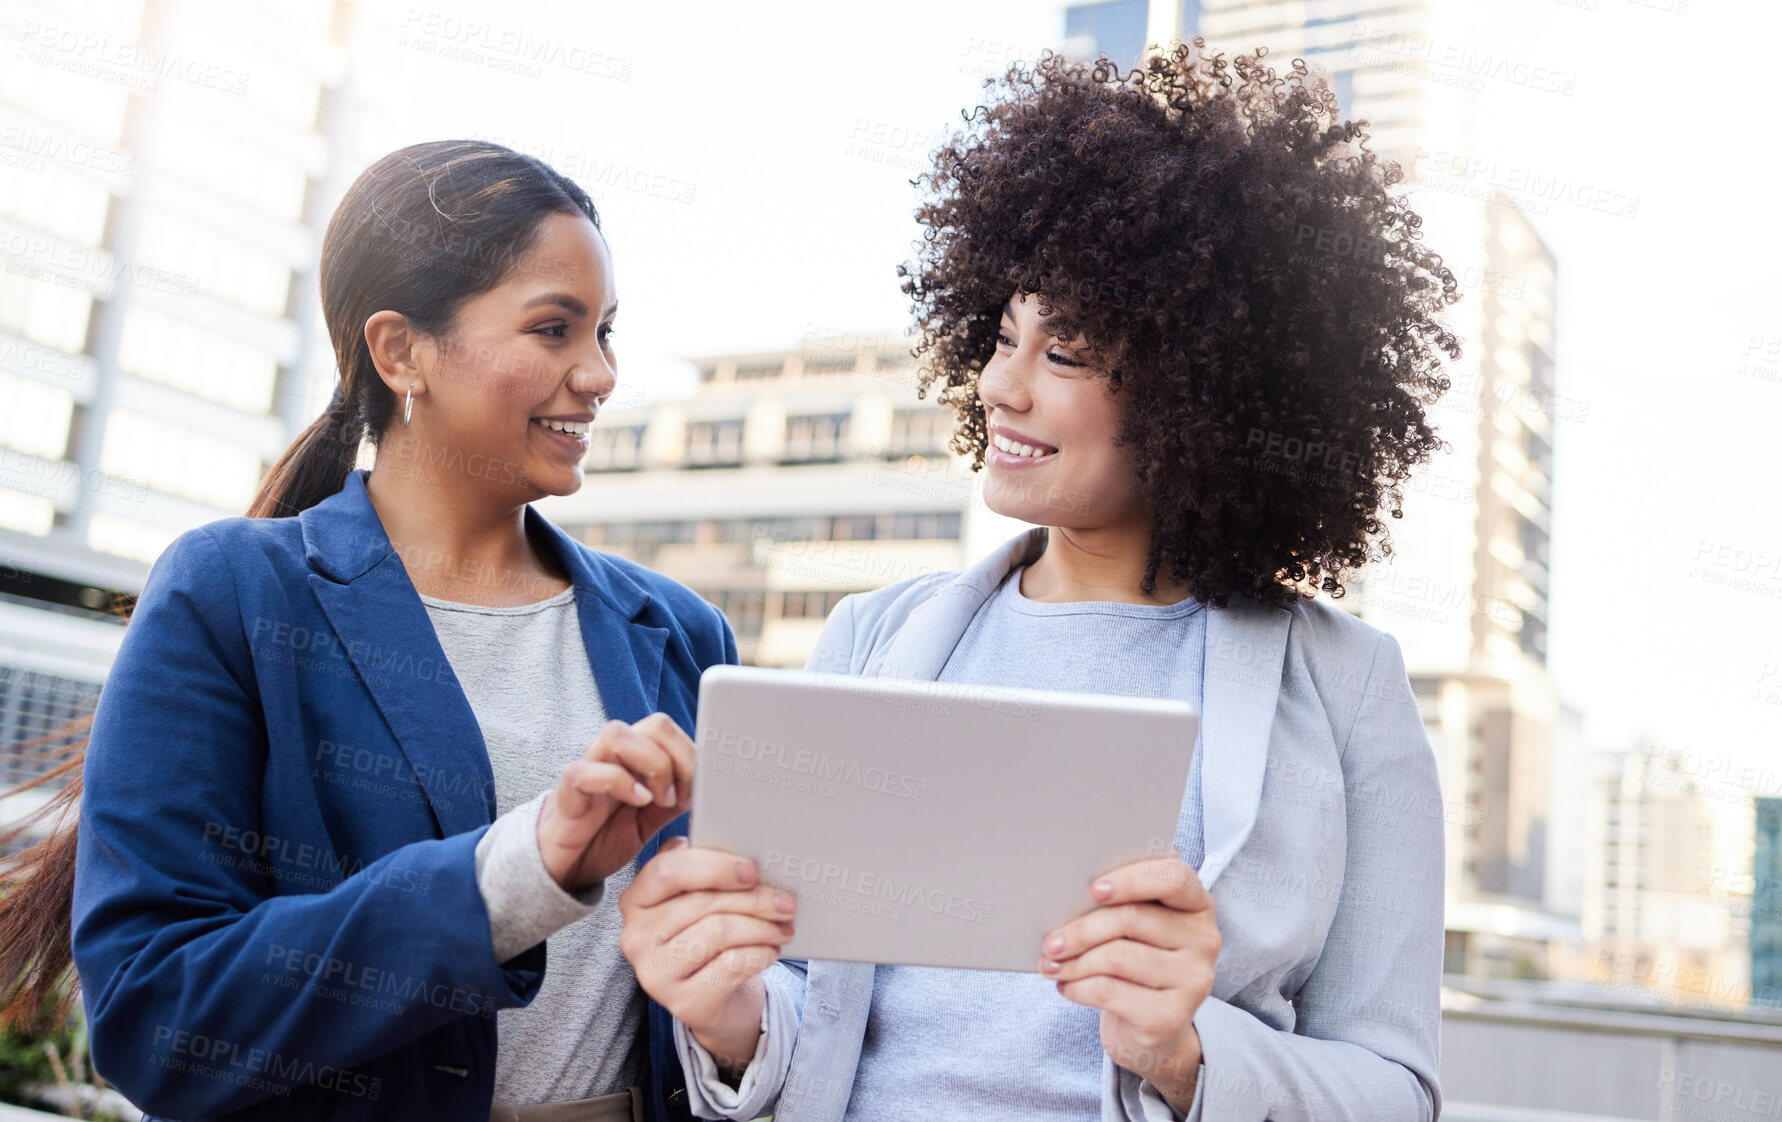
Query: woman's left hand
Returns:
{"type": "Point", "coordinates": [1145, 957]}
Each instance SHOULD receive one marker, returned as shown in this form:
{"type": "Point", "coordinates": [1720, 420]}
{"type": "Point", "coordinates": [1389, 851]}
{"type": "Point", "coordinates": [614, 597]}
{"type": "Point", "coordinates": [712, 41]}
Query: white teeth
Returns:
{"type": "Point", "coordinates": [1014, 449]}
{"type": "Point", "coordinates": [575, 428]}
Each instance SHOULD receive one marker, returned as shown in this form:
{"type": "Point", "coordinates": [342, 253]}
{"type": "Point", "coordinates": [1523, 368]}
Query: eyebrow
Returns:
{"type": "Point", "coordinates": [1008, 311]}
{"type": "Point", "coordinates": [569, 304]}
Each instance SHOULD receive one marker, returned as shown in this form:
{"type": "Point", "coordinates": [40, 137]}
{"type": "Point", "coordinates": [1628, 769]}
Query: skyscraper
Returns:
{"type": "Point", "coordinates": [1465, 592]}
{"type": "Point", "coordinates": [1116, 27]}
{"type": "Point", "coordinates": [166, 168]}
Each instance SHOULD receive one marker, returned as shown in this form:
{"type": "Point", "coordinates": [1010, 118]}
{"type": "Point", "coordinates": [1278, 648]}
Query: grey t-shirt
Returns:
{"type": "Point", "coordinates": [526, 675]}
{"type": "Point", "coordinates": [992, 1045]}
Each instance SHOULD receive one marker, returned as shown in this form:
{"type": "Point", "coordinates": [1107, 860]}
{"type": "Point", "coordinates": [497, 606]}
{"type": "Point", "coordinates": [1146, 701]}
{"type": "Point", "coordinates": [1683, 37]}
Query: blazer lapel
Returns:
{"type": "Point", "coordinates": [919, 649]}
{"type": "Point", "coordinates": [368, 598]}
{"type": "Point", "coordinates": [1246, 645]}
{"type": "Point", "coordinates": [626, 655]}
{"type": "Point", "coordinates": [372, 605]}
{"type": "Point", "coordinates": [840, 993]}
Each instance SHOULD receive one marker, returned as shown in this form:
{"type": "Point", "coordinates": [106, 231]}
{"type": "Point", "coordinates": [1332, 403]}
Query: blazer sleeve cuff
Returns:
{"type": "Point", "coordinates": [1140, 1101]}
{"type": "Point", "coordinates": [755, 1093]}
{"type": "Point", "coordinates": [525, 904]}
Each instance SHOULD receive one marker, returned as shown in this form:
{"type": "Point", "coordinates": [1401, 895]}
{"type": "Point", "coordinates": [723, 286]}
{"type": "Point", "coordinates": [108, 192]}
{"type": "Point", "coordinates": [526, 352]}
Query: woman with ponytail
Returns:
{"type": "Point", "coordinates": [362, 751]}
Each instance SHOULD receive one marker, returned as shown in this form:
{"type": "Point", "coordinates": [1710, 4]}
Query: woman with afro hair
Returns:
{"type": "Point", "coordinates": [1190, 335]}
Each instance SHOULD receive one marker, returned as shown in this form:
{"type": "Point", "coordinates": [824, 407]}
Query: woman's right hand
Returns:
{"type": "Point", "coordinates": [699, 928]}
{"type": "Point", "coordinates": [632, 781]}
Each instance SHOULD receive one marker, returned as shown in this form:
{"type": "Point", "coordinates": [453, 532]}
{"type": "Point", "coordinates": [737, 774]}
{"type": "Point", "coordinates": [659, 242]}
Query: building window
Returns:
{"type": "Point", "coordinates": [815, 438]}
{"type": "Point", "coordinates": [828, 367]}
{"type": "Point", "coordinates": [920, 431]}
{"type": "Point", "coordinates": [259, 178]}
{"type": "Point", "coordinates": [268, 83]}
{"type": "Point", "coordinates": [742, 607]}
{"type": "Point", "coordinates": [618, 448]}
{"type": "Point", "coordinates": [180, 461]}
{"type": "Point", "coordinates": [809, 605]}
{"type": "Point", "coordinates": [45, 312]}
{"type": "Point", "coordinates": [187, 357]}
{"type": "Point", "coordinates": [714, 443]}
{"type": "Point", "coordinates": [54, 199]}
{"type": "Point", "coordinates": [69, 98]}
{"type": "Point", "coordinates": [128, 537]}
{"type": "Point", "coordinates": [852, 528]}
{"type": "Point", "coordinates": [924, 526]}
{"type": "Point", "coordinates": [28, 514]}
{"type": "Point", "coordinates": [181, 255]}
{"type": "Point", "coordinates": [641, 539]}
{"type": "Point", "coordinates": [35, 421]}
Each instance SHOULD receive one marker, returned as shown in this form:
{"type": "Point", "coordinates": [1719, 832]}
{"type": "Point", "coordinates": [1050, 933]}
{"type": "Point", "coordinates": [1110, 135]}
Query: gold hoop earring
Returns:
{"type": "Point", "coordinates": [409, 408]}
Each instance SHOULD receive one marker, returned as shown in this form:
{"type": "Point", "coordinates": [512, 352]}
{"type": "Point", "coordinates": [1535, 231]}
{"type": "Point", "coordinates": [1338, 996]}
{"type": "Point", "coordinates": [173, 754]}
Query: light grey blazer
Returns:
{"type": "Point", "coordinates": [1322, 822]}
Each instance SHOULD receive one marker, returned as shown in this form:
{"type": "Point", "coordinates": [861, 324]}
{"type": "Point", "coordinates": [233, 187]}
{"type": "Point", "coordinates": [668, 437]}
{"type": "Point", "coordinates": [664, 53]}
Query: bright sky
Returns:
{"type": "Point", "coordinates": [774, 142]}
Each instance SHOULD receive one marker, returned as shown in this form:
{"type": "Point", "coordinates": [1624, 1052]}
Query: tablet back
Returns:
{"type": "Point", "coordinates": [933, 824]}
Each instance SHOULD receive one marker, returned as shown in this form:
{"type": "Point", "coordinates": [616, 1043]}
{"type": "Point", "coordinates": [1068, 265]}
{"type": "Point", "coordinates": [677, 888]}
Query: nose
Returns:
{"type": "Point", "coordinates": [1002, 384]}
{"type": "Point", "coordinates": [594, 376]}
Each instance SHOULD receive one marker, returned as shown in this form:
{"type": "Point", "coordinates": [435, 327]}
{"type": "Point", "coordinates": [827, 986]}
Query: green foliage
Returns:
{"type": "Point", "coordinates": [23, 1059]}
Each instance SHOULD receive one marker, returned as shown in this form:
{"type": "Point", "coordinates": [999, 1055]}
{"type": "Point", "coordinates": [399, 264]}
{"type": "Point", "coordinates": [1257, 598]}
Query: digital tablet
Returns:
{"type": "Point", "coordinates": [927, 823]}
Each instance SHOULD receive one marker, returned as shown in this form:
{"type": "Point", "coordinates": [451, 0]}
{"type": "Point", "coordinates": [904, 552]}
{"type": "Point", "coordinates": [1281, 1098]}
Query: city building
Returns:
{"type": "Point", "coordinates": [1465, 592]}
{"type": "Point", "coordinates": [1117, 28]}
{"type": "Point", "coordinates": [1667, 887]}
{"type": "Point", "coordinates": [1567, 838]}
{"type": "Point", "coordinates": [1766, 902]}
{"type": "Point", "coordinates": [166, 169]}
{"type": "Point", "coordinates": [786, 480]}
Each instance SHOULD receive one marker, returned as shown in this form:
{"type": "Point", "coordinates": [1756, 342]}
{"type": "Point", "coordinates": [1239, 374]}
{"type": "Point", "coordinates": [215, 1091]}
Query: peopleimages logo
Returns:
{"type": "Point", "coordinates": [829, 878]}
{"type": "Point", "coordinates": [225, 1060]}
{"type": "Point", "coordinates": [816, 765]}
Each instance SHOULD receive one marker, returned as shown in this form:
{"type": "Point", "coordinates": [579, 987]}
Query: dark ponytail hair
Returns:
{"type": "Point", "coordinates": [419, 232]}
{"type": "Point", "coordinates": [37, 886]}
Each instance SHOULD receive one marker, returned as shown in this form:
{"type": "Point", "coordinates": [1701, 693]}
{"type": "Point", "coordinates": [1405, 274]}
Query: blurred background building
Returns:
{"type": "Point", "coordinates": [166, 169]}
{"type": "Point", "coordinates": [1600, 904]}
{"type": "Point", "coordinates": [785, 481]}
{"type": "Point", "coordinates": [1466, 590]}
{"type": "Point", "coordinates": [1766, 902]}
{"type": "Point", "coordinates": [1667, 896]}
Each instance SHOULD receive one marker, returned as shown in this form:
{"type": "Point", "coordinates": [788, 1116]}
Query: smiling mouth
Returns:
{"type": "Point", "coordinates": [1016, 448]}
{"type": "Point", "coordinates": [571, 428]}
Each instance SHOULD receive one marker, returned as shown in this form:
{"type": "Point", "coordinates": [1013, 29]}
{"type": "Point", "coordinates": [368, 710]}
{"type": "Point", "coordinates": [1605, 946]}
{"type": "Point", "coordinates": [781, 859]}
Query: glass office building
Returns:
{"type": "Point", "coordinates": [166, 168]}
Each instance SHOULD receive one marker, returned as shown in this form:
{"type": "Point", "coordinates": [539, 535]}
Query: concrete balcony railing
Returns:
{"type": "Point", "coordinates": [1512, 1053]}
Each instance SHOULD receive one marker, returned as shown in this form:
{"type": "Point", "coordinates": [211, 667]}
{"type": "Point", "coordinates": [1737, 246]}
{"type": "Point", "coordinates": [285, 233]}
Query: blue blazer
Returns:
{"type": "Point", "coordinates": [276, 913]}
